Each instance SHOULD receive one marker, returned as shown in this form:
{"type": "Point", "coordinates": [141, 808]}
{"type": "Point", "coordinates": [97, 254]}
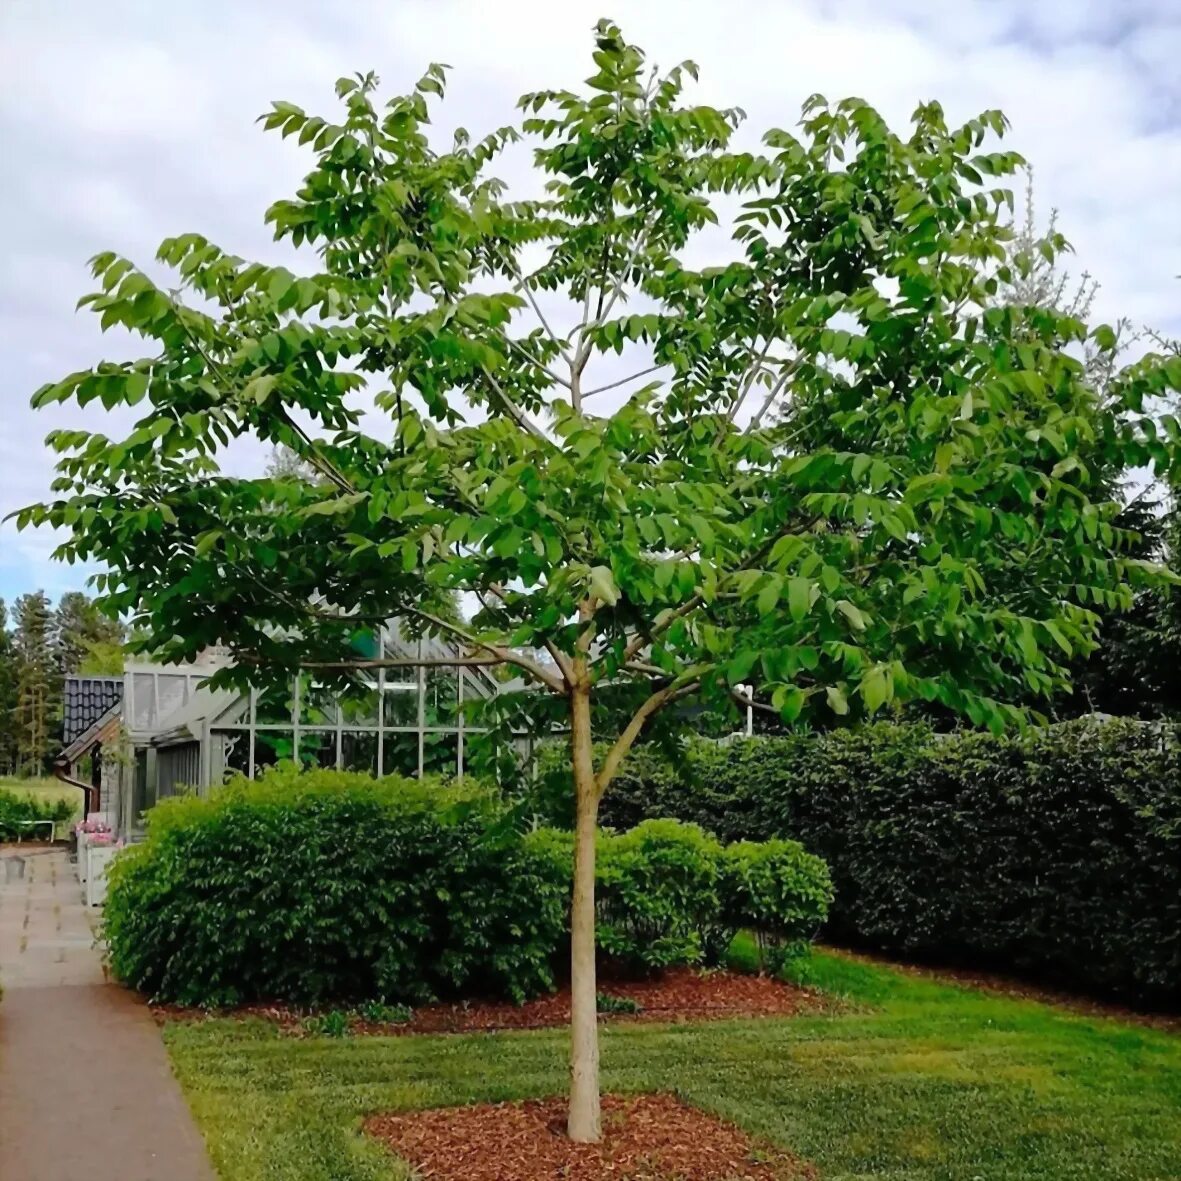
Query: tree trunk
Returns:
{"type": "Point", "coordinates": [584, 1123]}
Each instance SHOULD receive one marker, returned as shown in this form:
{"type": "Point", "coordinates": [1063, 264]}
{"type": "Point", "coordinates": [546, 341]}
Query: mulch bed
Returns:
{"type": "Point", "coordinates": [677, 995]}
{"type": "Point", "coordinates": [645, 1138]}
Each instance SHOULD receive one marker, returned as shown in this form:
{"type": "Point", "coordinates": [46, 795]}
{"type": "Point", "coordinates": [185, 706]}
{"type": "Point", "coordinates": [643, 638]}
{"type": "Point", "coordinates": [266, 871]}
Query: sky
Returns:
{"type": "Point", "coordinates": [124, 122]}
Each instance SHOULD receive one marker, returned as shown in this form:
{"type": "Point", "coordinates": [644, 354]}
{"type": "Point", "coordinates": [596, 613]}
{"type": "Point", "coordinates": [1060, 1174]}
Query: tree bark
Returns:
{"type": "Point", "coordinates": [584, 1123]}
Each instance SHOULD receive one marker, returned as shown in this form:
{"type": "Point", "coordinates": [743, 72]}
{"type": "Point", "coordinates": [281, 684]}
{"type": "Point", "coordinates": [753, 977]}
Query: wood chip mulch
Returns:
{"type": "Point", "coordinates": [677, 995]}
{"type": "Point", "coordinates": [645, 1138]}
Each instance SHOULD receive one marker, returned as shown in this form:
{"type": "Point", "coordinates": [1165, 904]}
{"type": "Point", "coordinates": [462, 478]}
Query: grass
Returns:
{"type": "Point", "coordinates": [914, 1081]}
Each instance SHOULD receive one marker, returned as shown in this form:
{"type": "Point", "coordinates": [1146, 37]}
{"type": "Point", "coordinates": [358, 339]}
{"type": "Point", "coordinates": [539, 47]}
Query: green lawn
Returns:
{"type": "Point", "coordinates": [916, 1081]}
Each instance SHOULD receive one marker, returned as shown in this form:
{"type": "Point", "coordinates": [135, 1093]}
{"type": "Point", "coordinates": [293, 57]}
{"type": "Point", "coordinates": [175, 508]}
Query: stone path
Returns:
{"type": "Point", "coordinates": [86, 1091]}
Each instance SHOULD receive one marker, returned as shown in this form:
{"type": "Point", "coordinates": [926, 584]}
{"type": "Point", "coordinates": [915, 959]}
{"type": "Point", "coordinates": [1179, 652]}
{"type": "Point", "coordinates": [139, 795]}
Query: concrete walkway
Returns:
{"type": "Point", "coordinates": [86, 1091]}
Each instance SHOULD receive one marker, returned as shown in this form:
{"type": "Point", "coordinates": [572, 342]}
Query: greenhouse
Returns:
{"type": "Point", "coordinates": [159, 731]}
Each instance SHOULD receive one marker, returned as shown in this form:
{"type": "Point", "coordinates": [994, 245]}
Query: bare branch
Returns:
{"type": "Point", "coordinates": [515, 412]}
{"type": "Point", "coordinates": [523, 285]}
{"type": "Point", "coordinates": [751, 377]}
{"type": "Point", "coordinates": [506, 655]}
{"type": "Point", "coordinates": [622, 381]}
{"type": "Point", "coordinates": [534, 361]}
{"type": "Point", "coordinates": [772, 394]}
{"type": "Point", "coordinates": [403, 662]}
{"type": "Point", "coordinates": [631, 731]}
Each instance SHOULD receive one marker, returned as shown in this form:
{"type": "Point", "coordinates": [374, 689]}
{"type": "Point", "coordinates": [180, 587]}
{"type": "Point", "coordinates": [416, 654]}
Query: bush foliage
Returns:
{"type": "Point", "coordinates": [327, 886]}
{"type": "Point", "coordinates": [17, 809]}
{"type": "Point", "coordinates": [667, 893]}
{"type": "Point", "coordinates": [1057, 853]}
{"type": "Point", "coordinates": [331, 886]}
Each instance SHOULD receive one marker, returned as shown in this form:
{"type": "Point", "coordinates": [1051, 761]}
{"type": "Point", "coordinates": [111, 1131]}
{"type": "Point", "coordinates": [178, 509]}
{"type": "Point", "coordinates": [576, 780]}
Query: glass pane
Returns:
{"type": "Point", "coordinates": [235, 752]}
{"type": "Point", "coordinates": [440, 755]}
{"type": "Point", "coordinates": [271, 747]}
{"type": "Point", "coordinates": [399, 754]}
{"type": "Point", "coordinates": [441, 702]}
{"type": "Point", "coordinates": [273, 703]}
{"type": "Point", "coordinates": [358, 705]}
{"type": "Point", "coordinates": [173, 691]}
{"type": "Point", "coordinates": [144, 688]}
{"type": "Point", "coordinates": [317, 748]}
{"type": "Point", "coordinates": [317, 703]}
{"type": "Point", "coordinates": [358, 751]}
{"type": "Point", "coordinates": [400, 705]}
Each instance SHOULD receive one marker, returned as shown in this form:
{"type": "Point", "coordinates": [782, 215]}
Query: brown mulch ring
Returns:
{"type": "Point", "coordinates": [645, 1138]}
{"type": "Point", "coordinates": [677, 995]}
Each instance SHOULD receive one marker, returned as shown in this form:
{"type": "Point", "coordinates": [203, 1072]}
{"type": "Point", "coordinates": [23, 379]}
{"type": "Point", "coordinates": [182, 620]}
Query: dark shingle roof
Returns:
{"type": "Point", "coordinates": [86, 700]}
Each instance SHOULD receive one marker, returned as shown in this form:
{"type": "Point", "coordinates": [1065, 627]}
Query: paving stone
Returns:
{"type": "Point", "coordinates": [86, 1090]}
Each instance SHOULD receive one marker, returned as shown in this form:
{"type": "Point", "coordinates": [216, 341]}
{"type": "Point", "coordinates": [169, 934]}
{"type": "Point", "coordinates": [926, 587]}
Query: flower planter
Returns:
{"type": "Point", "coordinates": [98, 858]}
{"type": "Point", "coordinates": [95, 823]}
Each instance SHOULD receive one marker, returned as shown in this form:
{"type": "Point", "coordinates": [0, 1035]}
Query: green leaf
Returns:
{"type": "Point", "coordinates": [602, 585]}
{"type": "Point", "coordinates": [768, 598]}
{"type": "Point", "coordinates": [801, 594]}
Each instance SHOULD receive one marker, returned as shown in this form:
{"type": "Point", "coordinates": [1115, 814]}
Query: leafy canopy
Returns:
{"type": "Point", "coordinates": [839, 469]}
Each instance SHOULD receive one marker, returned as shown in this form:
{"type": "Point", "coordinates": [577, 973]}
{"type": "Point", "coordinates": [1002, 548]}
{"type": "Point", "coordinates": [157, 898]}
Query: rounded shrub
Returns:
{"type": "Point", "coordinates": [657, 893]}
{"type": "Point", "coordinates": [318, 886]}
{"type": "Point", "coordinates": [777, 890]}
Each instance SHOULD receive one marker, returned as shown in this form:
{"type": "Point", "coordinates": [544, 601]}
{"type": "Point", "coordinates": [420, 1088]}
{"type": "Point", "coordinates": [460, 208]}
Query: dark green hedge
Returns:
{"type": "Point", "coordinates": [1057, 854]}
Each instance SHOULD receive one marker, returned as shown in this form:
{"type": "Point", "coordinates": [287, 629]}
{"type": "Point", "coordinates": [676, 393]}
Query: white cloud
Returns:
{"type": "Point", "coordinates": [130, 120]}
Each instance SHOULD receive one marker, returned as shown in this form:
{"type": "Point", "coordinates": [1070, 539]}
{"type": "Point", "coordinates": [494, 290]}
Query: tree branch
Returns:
{"type": "Point", "coordinates": [622, 381]}
{"type": "Point", "coordinates": [506, 655]}
{"type": "Point", "coordinates": [631, 731]}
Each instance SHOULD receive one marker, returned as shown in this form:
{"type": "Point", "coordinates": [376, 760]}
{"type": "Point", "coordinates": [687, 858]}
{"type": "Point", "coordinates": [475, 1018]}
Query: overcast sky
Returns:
{"type": "Point", "coordinates": [123, 122]}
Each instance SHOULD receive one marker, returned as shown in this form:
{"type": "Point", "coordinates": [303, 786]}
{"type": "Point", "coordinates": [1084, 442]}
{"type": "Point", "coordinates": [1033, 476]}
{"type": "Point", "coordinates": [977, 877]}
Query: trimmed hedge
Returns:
{"type": "Point", "coordinates": [17, 808]}
{"type": "Point", "coordinates": [326, 886]}
{"type": "Point", "coordinates": [1057, 853]}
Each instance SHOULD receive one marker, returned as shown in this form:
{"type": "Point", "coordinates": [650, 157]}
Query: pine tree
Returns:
{"type": "Point", "coordinates": [84, 639]}
{"type": "Point", "coordinates": [36, 682]}
{"type": "Point", "coordinates": [8, 696]}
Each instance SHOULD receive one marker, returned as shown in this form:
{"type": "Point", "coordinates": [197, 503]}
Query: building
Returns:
{"type": "Point", "coordinates": [159, 731]}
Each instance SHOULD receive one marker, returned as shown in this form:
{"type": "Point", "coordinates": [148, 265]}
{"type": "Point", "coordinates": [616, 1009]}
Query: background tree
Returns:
{"type": "Point", "coordinates": [85, 640]}
{"type": "Point", "coordinates": [37, 686]}
{"type": "Point", "coordinates": [587, 432]}
{"type": "Point", "coordinates": [8, 696]}
{"type": "Point", "coordinates": [1135, 668]}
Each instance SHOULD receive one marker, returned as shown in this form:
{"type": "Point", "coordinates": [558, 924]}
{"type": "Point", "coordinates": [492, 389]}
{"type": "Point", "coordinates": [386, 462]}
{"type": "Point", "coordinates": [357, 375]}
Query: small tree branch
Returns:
{"type": "Point", "coordinates": [515, 412]}
{"type": "Point", "coordinates": [534, 361]}
{"type": "Point", "coordinates": [631, 731]}
{"type": "Point", "coordinates": [600, 389]}
{"type": "Point", "coordinates": [506, 655]}
{"type": "Point", "coordinates": [398, 662]}
{"type": "Point", "coordinates": [772, 394]}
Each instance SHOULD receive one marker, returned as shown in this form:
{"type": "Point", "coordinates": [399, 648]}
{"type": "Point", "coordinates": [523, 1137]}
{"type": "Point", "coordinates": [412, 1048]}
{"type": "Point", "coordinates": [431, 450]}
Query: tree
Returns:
{"type": "Point", "coordinates": [36, 683]}
{"type": "Point", "coordinates": [83, 638]}
{"type": "Point", "coordinates": [834, 469]}
{"type": "Point", "coordinates": [8, 696]}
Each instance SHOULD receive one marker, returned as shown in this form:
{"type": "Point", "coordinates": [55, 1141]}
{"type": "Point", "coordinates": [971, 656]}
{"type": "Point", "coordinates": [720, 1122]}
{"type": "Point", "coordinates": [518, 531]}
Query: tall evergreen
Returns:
{"type": "Point", "coordinates": [38, 685]}
{"type": "Point", "coordinates": [85, 640]}
{"type": "Point", "coordinates": [8, 696]}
